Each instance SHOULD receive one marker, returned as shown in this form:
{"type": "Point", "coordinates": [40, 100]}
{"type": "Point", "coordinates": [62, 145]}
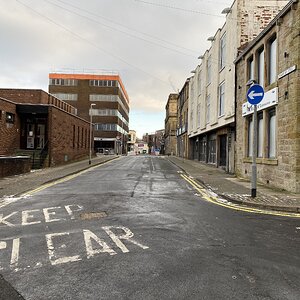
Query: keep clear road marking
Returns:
{"type": "Point", "coordinates": [213, 198]}
{"type": "Point", "coordinates": [59, 245]}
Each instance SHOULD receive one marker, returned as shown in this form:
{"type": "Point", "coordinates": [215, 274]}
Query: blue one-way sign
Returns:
{"type": "Point", "coordinates": [255, 94]}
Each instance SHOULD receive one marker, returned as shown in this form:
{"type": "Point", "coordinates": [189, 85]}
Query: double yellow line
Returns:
{"type": "Point", "coordinates": [213, 198]}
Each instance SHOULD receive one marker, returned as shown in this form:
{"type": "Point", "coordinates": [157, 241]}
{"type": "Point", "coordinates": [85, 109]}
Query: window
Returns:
{"type": "Point", "coordinates": [222, 51]}
{"type": "Point", "coordinates": [261, 67]}
{"type": "Point", "coordinates": [209, 70]}
{"type": "Point", "coordinates": [73, 136]}
{"type": "Point", "coordinates": [108, 98]}
{"type": "Point", "coordinates": [66, 82]}
{"type": "Point", "coordinates": [250, 68]}
{"type": "Point", "coordinates": [82, 137]}
{"type": "Point", "coordinates": [198, 114]}
{"type": "Point", "coordinates": [260, 135]}
{"type": "Point", "coordinates": [77, 137]}
{"type": "Point", "coordinates": [85, 144]}
{"type": "Point", "coordinates": [207, 108]}
{"type": "Point", "coordinates": [106, 127]}
{"type": "Point", "coordinates": [66, 97]}
{"type": "Point", "coordinates": [250, 136]}
{"type": "Point", "coordinates": [212, 151]}
{"type": "Point", "coordinates": [272, 134]}
{"type": "Point", "coordinates": [202, 148]}
{"type": "Point", "coordinates": [110, 127]}
{"type": "Point", "coordinates": [103, 83]}
{"type": "Point", "coordinates": [10, 117]}
{"type": "Point", "coordinates": [200, 82]}
{"type": "Point", "coordinates": [272, 60]}
{"type": "Point", "coordinates": [221, 99]}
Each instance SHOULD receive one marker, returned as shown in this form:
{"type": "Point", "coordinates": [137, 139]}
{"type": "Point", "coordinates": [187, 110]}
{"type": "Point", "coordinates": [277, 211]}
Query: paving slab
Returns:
{"type": "Point", "coordinates": [236, 189]}
{"type": "Point", "coordinates": [19, 184]}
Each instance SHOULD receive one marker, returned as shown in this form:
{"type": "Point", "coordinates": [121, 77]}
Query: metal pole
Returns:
{"type": "Point", "coordinates": [91, 131]}
{"type": "Point", "coordinates": [254, 154]}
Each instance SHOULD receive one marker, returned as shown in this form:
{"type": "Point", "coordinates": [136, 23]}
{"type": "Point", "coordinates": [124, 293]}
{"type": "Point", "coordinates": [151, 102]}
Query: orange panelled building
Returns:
{"type": "Point", "coordinates": [101, 99]}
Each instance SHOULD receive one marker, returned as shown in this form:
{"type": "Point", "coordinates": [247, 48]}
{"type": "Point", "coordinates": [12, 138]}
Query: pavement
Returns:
{"type": "Point", "coordinates": [225, 185]}
{"type": "Point", "coordinates": [13, 186]}
{"type": "Point", "coordinates": [237, 190]}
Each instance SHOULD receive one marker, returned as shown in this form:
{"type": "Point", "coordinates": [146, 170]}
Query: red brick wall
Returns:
{"type": "Point", "coordinates": [9, 132]}
{"type": "Point", "coordinates": [25, 96]}
{"type": "Point", "coordinates": [14, 165]}
{"type": "Point", "coordinates": [65, 143]}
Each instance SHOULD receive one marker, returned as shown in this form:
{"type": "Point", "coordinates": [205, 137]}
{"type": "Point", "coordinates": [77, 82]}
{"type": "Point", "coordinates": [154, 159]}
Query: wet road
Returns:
{"type": "Point", "coordinates": [134, 229]}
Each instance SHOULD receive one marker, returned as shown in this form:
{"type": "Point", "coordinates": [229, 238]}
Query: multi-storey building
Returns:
{"type": "Point", "coordinates": [100, 98]}
{"type": "Point", "coordinates": [182, 121]}
{"type": "Point", "coordinates": [149, 138]}
{"type": "Point", "coordinates": [159, 142]}
{"type": "Point", "coordinates": [170, 125]}
{"type": "Point", "coordinates": [212, 88]}
{"type": "Point", "coordinates": [34, 123]}
{"type": "Point", "coordinates": [273, 61]}
{"type": "Point", "coordinates": [131, 141]}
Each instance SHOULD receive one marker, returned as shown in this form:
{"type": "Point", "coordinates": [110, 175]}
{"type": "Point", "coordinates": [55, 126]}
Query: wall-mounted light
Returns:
{"type": "Point", "coordinates": [211, 38]}
{"type": "Point", "coordinates": [201, 57]}
{"type": "Point", "coordinates": [226, 11]}
{"type": "Point", "coordinates": [193, 71]}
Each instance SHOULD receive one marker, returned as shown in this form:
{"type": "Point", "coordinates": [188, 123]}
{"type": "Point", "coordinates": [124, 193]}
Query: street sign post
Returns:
{"type": "Point", "coordinates": [254, 95]}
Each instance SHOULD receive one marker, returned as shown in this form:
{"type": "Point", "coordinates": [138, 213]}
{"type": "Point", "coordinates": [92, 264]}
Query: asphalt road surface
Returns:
{"type": "Point", "coordinates": [133, 228]}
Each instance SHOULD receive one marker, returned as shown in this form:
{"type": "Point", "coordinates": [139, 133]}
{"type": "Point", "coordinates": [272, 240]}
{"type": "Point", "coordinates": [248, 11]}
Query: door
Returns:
{"type": "Point", "coordinates": [40, 136]}
{"type": "Point", "coordinates": [222, 149]}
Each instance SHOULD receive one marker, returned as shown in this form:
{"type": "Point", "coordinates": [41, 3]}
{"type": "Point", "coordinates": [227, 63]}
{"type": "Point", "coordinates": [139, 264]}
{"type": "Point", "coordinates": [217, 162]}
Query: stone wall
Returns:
{"type": "Point", "coordinates": [283, 170]}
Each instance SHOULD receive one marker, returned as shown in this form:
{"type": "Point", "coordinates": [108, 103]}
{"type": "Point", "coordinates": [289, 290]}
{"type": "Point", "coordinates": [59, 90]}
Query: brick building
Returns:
{"type": "Point", "coordinates": [34, 123]}
{"type": "Point", "coordinates": [273, 61]}
{"type": "Point", "coordinates": [110, 110]}
{"type": "Point", "coordinates": [170, 125]}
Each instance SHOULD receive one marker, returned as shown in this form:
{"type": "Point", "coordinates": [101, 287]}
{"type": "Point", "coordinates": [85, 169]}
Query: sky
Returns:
{"type": "Point", "coordinates": [153, 45]}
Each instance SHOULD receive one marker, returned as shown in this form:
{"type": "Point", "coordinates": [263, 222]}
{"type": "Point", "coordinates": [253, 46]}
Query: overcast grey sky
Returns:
{"type": "Point", "coordinates": [152, 44]}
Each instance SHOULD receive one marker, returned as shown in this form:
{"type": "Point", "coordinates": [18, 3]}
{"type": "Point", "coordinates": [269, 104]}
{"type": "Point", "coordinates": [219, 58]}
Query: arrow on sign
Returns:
{"type": "Point", "coordinates": [252, 95]}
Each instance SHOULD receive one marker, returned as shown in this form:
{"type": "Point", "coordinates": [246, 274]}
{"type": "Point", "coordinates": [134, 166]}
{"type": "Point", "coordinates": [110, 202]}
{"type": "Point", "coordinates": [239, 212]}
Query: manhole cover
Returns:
{"type": "Point", "coordinates": [93, 215]}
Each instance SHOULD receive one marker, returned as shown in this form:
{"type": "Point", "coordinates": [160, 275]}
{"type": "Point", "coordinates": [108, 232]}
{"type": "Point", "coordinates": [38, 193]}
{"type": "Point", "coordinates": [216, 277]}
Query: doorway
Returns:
{"type": "Point", "coordinates": [223, 148]}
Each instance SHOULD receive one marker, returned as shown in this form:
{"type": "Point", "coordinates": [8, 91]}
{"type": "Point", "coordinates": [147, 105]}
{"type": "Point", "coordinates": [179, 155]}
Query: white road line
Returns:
{"type": "Point", "coordinates": [15, 252]}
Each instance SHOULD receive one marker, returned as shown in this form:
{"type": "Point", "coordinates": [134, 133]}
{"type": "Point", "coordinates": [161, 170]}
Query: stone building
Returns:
{"type": "Point", "coordinates": [34, 123]}
{"type": "Point", "coordinates": [182, 121]}
{"type": "Point", "coordinates": [273, 61]}
{"type": "Point", "coordinates": [102, 98]}
{"type": "Point", "coordinates": [159, 142]}
{"type": "Point", "coordinates": [212, 88]}
{"type": "Point", "coordinates": [149, 138]}
{"type": "Point", "coordinates": [131, 141]}
{"type": "Point", "coordinates": [170, 125]}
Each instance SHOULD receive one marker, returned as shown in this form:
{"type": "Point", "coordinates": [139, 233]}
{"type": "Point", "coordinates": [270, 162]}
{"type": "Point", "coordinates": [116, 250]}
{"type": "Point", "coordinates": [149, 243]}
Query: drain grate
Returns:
{"type": "Point", "coordinates": [93, 215]}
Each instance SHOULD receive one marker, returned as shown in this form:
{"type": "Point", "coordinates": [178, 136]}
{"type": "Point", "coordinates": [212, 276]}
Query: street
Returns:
{"type": "Point", "coordinates": [133, 228]}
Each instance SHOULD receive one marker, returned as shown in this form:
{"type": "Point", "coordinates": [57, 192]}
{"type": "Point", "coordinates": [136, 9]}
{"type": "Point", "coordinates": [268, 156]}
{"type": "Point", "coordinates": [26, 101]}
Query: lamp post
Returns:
{"type": "Point", "coordinates": [91, 132]}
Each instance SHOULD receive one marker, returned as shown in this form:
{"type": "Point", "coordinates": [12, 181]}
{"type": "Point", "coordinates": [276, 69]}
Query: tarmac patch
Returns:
{"type": "Point", "coordinates": [93, 215]}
